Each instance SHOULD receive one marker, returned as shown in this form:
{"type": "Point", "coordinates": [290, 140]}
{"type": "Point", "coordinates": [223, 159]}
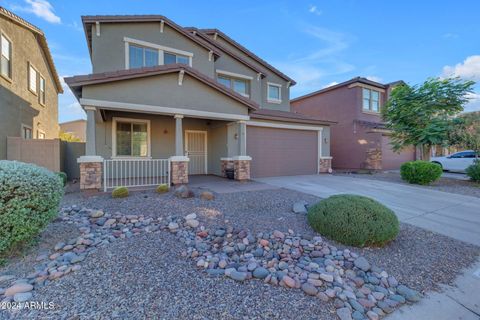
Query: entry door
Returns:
{"type": "Point", "coordinates": [196, 150]}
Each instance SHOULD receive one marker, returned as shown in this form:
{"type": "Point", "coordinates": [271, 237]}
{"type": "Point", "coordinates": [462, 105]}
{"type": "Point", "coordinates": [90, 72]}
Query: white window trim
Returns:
{"type": "Point", "coordinates": [2, 34]}
{"type": "Point", "coordinates": [232, 78]}
{"type": "Point", "coordinates": [233, 74]}
{"type": "Point", "coordinates": [30, 65]}
{"type": "Point", "coordinates": [114, 137]}
{"type": "Point", "coordinates": [161, 49]}
{"type": "Point", "coordinates": [41, 132]}
{"type": "Point", "coordinates": [23, 126]}
{"type": "Point", "coordinates": [278, 101]}
{"type": "Point", "coordinates": [40, 76]}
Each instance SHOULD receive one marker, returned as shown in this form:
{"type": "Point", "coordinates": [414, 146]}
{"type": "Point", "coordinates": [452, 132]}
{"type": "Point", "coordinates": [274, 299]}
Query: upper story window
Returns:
{"type": "Point", "coordinates": [42, 96]}
{"type": "Point", "coordinates": [240, 86]}
{"type": "Point", "coordinates": [6, 57]}
{"type": "Point", "coordinates": [171, 58]}
{"type": "Point", "coordinates": [26, 132]}
{"type": "Point", "coordinates": [371, 100]}
{"type": "Point", "coordinates": [32, 79]}
{"type": "Point", "coordinates": [142, 57]}
{"type": "Point", "coordinates": [274, 92]}
{"type": "Point", "coordinates": [139, 54]}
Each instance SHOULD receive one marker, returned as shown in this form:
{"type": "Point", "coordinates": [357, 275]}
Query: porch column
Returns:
{"type": "Point", "coordinates": [242, 132]}
{"type": "Point", "coordinates": [241, 163]}
{"type": "Point", "coordinates": [90, 164]}
{"type": "Point", "coordinates": [178, 135]}
{"type": "Point", "coordinates": [179, 162]}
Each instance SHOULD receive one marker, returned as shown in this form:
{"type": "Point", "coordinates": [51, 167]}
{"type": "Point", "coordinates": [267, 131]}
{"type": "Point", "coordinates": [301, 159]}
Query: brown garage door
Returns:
{"type": "Point", "coordinates": [281, 152]}
{"type": "Point", "coordinates": [392, 160]}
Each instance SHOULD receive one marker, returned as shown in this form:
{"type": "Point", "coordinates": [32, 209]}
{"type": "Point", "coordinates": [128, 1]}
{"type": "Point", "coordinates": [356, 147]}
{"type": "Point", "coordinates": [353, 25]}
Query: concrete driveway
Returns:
{"type": "Point", "coordinates": [450, 214]}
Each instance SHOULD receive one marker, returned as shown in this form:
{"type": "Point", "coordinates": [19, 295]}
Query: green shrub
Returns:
{"type": "Point", "coordinates": [162, 188]}
{"type": "Point", "coordinates": [63, 176]}
{"type": "Point", "coordinates": [420, 172]}
{"type": "Point", "coordinates": [354, 220]}
{"type": "Point", "coordinates": [473, 171]}
{"type": "Point", "coordinates": [29, 200]}
{"type": "Point", "coordinates": [120, 192]}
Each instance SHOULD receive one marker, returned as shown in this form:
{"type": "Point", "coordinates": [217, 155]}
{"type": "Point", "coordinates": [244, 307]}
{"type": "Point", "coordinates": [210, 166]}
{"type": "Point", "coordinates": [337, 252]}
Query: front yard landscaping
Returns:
{"type": "Point", "coordinates": [155, 255]}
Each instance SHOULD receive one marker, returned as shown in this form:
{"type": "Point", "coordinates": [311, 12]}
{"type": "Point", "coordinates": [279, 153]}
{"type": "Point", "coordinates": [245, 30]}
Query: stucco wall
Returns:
{"type": "Point", "coordinates": [108, 52]}
{"type": "Point", "coordinates": [164, 91]}
{"type": "Point", "coordinates": [78, 128]}
{"type": "Point", "coordinates": [17, 104]}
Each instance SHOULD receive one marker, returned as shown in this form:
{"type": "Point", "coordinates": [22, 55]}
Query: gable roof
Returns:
{"type": "Point", "coordinates": [348, 82]}
{"type": "Point", "coordinates": [204, 36]}
{"type": "Point", "coordinates": [287, 116]}
{"type": "Point", "coordinates": [75, 83]}
{"type": "Point", "coordinates": [249, 54]}
{"type": "Point", "coordinates": [88, 21]}
{"type": "Point", "coordinates": [42, 40]}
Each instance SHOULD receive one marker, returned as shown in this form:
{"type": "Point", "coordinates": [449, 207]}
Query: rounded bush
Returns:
{"type": "Point", "coordinates": [473, 171]}
{"type": "Point", "coordinates": [120, 192]}
{"type": "Point", "coordinates": [29, 200]}
{"type": "Point", "coordinates": [63, 176]}
{"type": "Point", "coordinates": [420, 172]}
{"type": "Point", "coordinates": [354, 220]}
{"type": "Point", "coordinates": [162, 188]}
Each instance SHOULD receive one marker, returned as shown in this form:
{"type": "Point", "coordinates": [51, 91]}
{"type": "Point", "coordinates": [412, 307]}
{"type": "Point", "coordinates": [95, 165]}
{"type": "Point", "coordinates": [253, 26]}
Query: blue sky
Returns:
{"type": "Point", "coordinates": [317, 43]}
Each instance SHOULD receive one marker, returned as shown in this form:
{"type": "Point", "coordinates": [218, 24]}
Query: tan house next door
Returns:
{"type": "Point", "coordinates": [196, 150]}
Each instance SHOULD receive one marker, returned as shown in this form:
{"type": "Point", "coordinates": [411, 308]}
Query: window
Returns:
{"type": "Point", "coordinates": [6, 57]}
{"type": "Point", "coordinates": [274, 93]}
{"type": "Point", "coordinates": [26, 132]}
{"type": "Point", "coordinates": [41, 96]}
{"type": "Point", "coordinates": [132, 138]}
{"type": "Point", "coordinates": [463, 154]}
{"type": "Point", "coordinates": [371, 100]}
{"type": "Point", "coordinates": [170, 58]}
{"type": "Point", "coordinates": [142, 57]}
{"type": "Point", "coordinates": [40, 134]}
{"type": "Point", "coordinates": [240, 86]}
{"type": "Point", "coordinates": [32, 79]}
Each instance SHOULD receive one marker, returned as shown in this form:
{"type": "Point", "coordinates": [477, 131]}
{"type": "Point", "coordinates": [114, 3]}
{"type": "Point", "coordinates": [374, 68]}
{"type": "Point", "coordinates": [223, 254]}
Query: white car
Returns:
{"type": "Point", "coordinates": [458, 161]}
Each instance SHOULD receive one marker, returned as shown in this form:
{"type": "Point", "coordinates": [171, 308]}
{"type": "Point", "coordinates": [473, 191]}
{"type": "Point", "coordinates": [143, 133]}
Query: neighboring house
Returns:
{"type": "Point", "coordinates": [361, 140]}
{"type": "Point", "coordinates": [77, 128]}
{"type": "Point", "coordinates": [29, 83]}
{"type": "Point", "coordinates": [159, 91]}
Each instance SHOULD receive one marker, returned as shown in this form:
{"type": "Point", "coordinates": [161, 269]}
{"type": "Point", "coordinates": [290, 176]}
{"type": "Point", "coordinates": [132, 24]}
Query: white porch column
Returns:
{"type": "Point", "coordinates": [90, 143]}
{"type": "Point", "coordinates": [242, 132]}
{"type": "Point", "coordinates": [178, 135]}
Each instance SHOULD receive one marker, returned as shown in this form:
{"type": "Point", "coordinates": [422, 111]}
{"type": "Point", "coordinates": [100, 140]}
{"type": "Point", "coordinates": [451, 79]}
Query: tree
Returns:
{"type": "Point", "coordinates": [465, 132]}
{"type": "Point", "coordinates": [65, 136]}
{"type": "Point", "coordinates": [421, 115]}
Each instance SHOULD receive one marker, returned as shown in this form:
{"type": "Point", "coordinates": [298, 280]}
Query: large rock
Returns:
{"type": "Point", "coordinates": [309, 289]}
{"type": "Point", "coordinates": [344, 314]}
{"type": "Point", "coordinates": [184, 192]}
{"type": "Point", "coordinates": [299, 207]}
{"type": "Point", "coordinates": [207, 195]}
{"type": "Point", "coordinates": [409, 294]}
{"type": "Point", "coordinates": [96, 214]}
{"type": "Point", "coordinates": [260, 273]}
{"type": "Point", "coordinates": [18, 288]}
{"type": "Point", "coordinates": [238, 276]}
{"type": "Point", "coordinates": [362, 264]}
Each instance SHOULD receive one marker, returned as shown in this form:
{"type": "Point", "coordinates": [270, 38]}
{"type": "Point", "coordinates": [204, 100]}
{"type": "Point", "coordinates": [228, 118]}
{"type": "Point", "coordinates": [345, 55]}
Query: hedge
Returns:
{"type": "Point", "coordinates": [420, 172]}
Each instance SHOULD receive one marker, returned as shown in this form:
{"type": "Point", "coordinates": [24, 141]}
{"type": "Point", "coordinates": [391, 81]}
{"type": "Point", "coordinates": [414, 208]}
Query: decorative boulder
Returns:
{"type": "Point", "coordinates": [207, 195]}
{"type": "Point", "coordinates": [299, 207]}
{"type": "Point", "coordinates": [184, 192]}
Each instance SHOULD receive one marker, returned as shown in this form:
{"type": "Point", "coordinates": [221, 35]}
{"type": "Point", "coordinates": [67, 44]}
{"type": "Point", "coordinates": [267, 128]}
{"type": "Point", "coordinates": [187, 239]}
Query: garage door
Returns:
{"type": "Point", "coordinates": [392, 160]}
{"type": "Point", "coordinates": [281, 152]}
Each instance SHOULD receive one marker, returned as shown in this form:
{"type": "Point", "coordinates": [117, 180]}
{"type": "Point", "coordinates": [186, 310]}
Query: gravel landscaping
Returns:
{"type": "Point", "coordinates": [463, 187]}
{"type": "Point", "coordinates": [134, 269]}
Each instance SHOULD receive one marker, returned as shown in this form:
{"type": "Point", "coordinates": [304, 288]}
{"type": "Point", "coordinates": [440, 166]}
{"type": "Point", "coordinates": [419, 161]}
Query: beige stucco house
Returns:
{"type": "Point", "coordinates": [77, 128]}
{"type": "Point", "coordinates": [29, 83]}
{"type": "Point", "coordinates": [194, 96]}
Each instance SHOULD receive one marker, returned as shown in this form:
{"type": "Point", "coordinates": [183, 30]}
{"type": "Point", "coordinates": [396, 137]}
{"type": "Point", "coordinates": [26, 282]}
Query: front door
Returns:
{"type": "Point", "coordinates": [196, 150]}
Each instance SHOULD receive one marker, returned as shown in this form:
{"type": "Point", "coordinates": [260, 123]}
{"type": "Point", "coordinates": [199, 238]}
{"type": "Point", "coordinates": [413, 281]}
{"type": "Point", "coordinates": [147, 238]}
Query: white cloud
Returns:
{"type": "Point", "coordinates": [41, 8]}
{"type": "Point", "coordinates": [330, 84]}
{"type": "Point", "coordinates": [314, 10]}
{"type": "Point", "coordinates": [474, 104]}
{"type": "Point", "coordinates": [375, 78]}
{"type": "Point", "coordinates": [468, 69]}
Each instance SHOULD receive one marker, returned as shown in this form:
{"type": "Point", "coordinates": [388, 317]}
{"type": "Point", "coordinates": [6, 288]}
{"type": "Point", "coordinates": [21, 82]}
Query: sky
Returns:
{"type": "Point", "coordinates": [317, 43]}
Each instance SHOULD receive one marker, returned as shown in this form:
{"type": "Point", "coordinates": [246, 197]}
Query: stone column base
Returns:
{"type": "Point", "coordinates": [226, 163]}
{"type": "Point", "coordinates": [325, 165]}
{"type": "Point", "coordinates": [373, 159]}
{"type": "Point", "coordinates": [179, 170]}
{"type": "Point", "coordinates": [90, 172]}
{"type": "Point", "coordinates": [241, 166]}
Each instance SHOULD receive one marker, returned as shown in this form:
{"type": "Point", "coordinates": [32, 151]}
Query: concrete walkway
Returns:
{"type": "Point", "coordinates": [454, 215]}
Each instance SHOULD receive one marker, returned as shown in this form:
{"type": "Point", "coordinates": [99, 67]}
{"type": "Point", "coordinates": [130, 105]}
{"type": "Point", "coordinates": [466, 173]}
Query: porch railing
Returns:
{"type": "Point", "coordinates": [135, 173]}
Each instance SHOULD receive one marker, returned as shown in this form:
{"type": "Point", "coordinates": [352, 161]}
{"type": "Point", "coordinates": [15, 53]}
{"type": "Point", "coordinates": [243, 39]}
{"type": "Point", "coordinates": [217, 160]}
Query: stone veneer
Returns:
{"type": "Point", "coordinates": [226, 163]}
{"type": "Point", "coordinates": [90, 175]}
{"type": "Point", "coordinates": [373, 159]}
{"type": "Point", "coordinates": [325, 165]}
{"type": "Point", "coordinates": [242, 169]}
{"type": "Point", "coordinates": [179, 172]}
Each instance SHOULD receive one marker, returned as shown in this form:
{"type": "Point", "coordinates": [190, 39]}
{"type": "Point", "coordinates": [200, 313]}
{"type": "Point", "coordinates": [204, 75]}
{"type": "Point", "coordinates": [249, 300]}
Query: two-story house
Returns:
{"type": "Point", "coordinates": [29, 83]}
{"type": "Point", "coordinates": [361, 140]}
{"type": "Point", "coordinates": [196, 97]}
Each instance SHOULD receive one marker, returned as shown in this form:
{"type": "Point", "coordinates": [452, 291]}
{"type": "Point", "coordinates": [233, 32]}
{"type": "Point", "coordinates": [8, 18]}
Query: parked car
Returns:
{"type": "Point", "coordinates": [458, 161]}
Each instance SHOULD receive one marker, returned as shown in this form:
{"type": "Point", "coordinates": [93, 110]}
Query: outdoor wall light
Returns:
{"type": "Point", "coordinates": [235, 136]}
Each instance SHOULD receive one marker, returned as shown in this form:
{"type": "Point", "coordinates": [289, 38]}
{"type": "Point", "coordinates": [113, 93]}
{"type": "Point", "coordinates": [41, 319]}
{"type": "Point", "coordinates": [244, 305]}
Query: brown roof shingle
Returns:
{"type": "Point", "coordinates": [267, 114]}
